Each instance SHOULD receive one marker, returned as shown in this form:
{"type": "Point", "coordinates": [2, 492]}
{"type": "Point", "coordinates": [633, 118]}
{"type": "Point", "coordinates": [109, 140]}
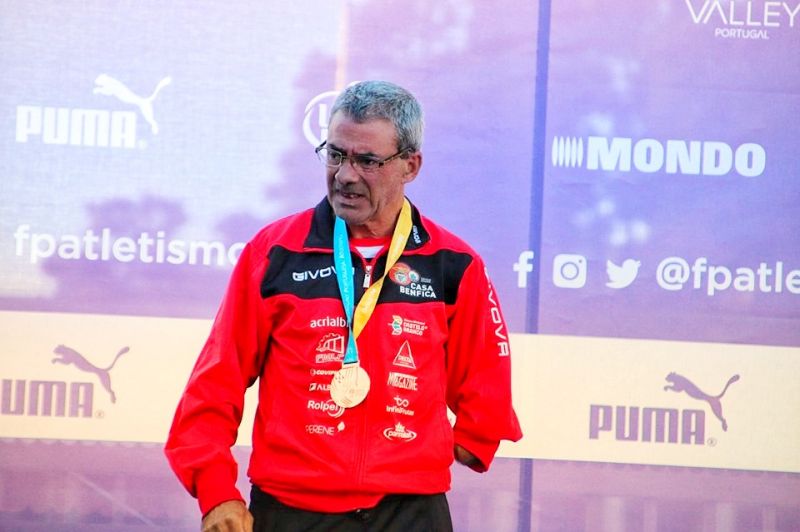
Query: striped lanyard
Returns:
{"type": "Point", "coordinates": [357, 316]}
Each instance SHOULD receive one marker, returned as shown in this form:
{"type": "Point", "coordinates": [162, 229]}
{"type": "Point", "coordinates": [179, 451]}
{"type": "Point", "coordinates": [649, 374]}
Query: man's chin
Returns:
{"type": "Point", "coordinates": [351, 216]}
{"type": "Point", "coordinates": [348, 212]}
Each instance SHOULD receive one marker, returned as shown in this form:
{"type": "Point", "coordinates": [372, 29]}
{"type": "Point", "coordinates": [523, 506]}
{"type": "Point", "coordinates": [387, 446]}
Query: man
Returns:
{"type": "Point", "coordinates": [363, 321]}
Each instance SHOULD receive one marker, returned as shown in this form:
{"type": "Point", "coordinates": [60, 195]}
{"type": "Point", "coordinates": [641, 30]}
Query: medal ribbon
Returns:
{"type": "Point", "coordinates": [357, 316]}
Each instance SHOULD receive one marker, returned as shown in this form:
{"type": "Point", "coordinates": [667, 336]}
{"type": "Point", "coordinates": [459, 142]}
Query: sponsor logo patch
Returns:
{"type": "Point", "coordinates": [324, 430]}
{"type": "Point", "coordinates": [400, 406]}
{"type": "Point", "coordinates": [399, 433]}
{"type": "Point", "coordinates": [306, 275]}
{"type": "Point", "coordinates": [328, 321]}
{"type": "Point", "coordinates": [401, 380]}
{"type": "Point", "coordinates": [501, 336]}
{"type": "Point", "coordinates": [402, 325]}
{"type": "Point", "coordinates": [410, 282]}
{"type": "Point", "coordinates": [330, 348]}
{"type": "Point", "coordinates": [402, 274]}
{"type": "Point", "coordinates": [329, 407]}
{"type": "Point", "coordinates": [404, 359]}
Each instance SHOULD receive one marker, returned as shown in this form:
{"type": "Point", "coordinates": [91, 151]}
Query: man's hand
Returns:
{"type": "Point", "coordinates": [465, 457]}
{"type": "Point", "coordinates": [230, 516]}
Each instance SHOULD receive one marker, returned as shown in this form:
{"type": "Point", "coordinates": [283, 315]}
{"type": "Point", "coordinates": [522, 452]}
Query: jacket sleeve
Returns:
{"type": "Point", "coordinates": [479, 369]}
{"type": "Point", "coordinates": [208, 415]}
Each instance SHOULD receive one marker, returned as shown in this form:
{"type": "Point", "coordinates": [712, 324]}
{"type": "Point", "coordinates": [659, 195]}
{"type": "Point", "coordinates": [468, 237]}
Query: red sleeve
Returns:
{"type": "Point", "coordinates": [207, 419]}
{"type": "Point", "coordinates": [479, 369]}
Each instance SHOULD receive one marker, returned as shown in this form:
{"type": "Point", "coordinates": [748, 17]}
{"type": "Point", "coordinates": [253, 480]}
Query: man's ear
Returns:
{"type": "Point", "coordinates": [413, 165]}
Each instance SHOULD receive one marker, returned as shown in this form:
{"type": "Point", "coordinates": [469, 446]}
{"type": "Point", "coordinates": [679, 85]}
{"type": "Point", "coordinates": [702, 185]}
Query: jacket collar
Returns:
{"type": "Point", "coordinates": [321, 233]}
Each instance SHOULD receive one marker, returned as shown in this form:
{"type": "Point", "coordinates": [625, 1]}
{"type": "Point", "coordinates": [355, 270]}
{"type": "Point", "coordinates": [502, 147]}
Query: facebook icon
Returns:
{"type": "Point", "coordinates": [523, 267]}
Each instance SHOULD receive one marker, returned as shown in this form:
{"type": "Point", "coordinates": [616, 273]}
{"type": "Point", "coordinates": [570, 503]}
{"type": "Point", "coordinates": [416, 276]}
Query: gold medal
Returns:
{"type": "Point", "coordinates": [349, 385]}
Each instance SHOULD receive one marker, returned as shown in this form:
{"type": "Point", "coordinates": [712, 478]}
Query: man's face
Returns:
{"type": "Point", "coordinates": [368, 202]}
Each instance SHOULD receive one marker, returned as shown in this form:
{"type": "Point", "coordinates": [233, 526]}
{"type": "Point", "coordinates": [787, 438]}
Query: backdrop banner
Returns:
{"type": "Point", "coordinates": [628, 170]}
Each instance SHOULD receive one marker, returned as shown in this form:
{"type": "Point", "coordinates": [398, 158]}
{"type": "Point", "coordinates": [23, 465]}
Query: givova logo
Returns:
{"type": "Point", "coordinates": [659, 424]}
{"type": "Point", "coordinates": [103, 128]}
{"type": "Point", "coordinates": [647, 155]}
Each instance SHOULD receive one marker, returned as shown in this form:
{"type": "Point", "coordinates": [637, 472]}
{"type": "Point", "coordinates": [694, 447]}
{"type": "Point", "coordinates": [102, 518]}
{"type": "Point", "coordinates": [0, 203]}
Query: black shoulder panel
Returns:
{"type": "Point", "coordinates": [415, 278]}
{"type": "Point", "coordinates": [303, 274]}
{"type": "Point", "coordinates": [426, 278]}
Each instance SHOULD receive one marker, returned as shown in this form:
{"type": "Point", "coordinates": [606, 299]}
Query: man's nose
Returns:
{"type": "Point", "coordinates": [346, 173]}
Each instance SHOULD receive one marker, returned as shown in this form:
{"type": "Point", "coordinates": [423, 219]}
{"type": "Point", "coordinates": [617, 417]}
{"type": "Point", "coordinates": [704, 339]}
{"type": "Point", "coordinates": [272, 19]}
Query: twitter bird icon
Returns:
{"type": "Point", "coordinates": [622, 276]}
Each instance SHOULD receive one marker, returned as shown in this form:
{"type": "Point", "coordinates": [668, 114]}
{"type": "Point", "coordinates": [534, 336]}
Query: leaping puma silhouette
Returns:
{"type": "Point", "coordinates": [68, 356]}
{"type": "Point", "coordinates": [108, 86]}
{"type": "Point", "coordinates": [679, 383]}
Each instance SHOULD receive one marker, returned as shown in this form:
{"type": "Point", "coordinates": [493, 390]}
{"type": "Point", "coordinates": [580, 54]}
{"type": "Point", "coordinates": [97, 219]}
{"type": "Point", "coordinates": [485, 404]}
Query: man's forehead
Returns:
{"type": "Point", "coordinates": [372, 134]}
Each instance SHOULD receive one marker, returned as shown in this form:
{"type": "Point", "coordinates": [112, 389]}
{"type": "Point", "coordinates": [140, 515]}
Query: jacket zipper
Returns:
{"type": "Point", "coordinates": [367, 275]}
{"type": "Point", "coordinates": [361, 449]}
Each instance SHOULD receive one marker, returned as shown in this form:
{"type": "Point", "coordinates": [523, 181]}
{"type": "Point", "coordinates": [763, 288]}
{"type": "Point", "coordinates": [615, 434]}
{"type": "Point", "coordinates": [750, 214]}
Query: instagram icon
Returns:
{"type": "Point", "coordinates": [569, 271]}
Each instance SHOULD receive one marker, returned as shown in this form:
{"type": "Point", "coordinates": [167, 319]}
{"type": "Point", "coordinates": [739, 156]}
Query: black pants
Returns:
{"type": "Point", "coordinates": [395, 513]}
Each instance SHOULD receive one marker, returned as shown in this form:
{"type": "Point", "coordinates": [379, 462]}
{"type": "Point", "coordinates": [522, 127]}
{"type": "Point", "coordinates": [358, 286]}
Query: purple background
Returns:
{"type": "Point", "coordinates": [644, 70]}
{"type": "Point", "coordinates": [497, 85]}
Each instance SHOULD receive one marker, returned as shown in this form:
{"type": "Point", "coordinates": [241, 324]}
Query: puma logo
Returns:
{"type": "Point", "coordinates": [679, 383]}
{"type": "Point", "coordinates": [67, 356]}
{"type": "Point", "coordinates": [108, 86]}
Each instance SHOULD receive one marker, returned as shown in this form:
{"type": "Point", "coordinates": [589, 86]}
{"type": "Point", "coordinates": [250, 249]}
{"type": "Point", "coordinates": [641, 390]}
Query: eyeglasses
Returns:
{"type": "Point", "coordinates": [367, 164]}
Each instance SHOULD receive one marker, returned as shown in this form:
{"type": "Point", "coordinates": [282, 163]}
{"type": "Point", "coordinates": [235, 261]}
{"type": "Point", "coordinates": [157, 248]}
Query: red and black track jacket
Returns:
{"type": "Point", "coordinates": [437, 338]}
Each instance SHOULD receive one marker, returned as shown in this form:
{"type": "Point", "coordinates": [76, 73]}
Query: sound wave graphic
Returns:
{"type": "Point", "coordinates": [567, 151]}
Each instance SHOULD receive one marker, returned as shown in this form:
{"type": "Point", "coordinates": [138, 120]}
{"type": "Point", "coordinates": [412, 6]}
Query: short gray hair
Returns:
{"type": "Point", "coordinates": [370, 100]}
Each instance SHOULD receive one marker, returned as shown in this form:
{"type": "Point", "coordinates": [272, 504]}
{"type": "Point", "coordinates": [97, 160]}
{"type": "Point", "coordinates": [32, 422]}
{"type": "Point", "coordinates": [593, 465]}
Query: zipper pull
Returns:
{"type": "Point", "coordinates": [367, 276]}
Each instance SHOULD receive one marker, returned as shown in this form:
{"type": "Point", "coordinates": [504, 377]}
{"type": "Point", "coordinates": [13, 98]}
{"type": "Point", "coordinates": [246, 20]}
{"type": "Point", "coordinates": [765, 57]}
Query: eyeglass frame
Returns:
{"type": "Point", "coordinates": [379, 162]}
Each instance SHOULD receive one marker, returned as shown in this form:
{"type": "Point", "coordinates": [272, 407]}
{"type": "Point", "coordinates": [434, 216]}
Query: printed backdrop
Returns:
{"type": "Point", "coordinates": [628, 170]}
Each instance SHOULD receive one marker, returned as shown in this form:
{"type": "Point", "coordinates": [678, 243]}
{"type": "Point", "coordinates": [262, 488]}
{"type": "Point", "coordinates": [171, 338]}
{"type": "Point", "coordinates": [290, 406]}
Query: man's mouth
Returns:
{"type": "Point", "coordinates": [349, 195]}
